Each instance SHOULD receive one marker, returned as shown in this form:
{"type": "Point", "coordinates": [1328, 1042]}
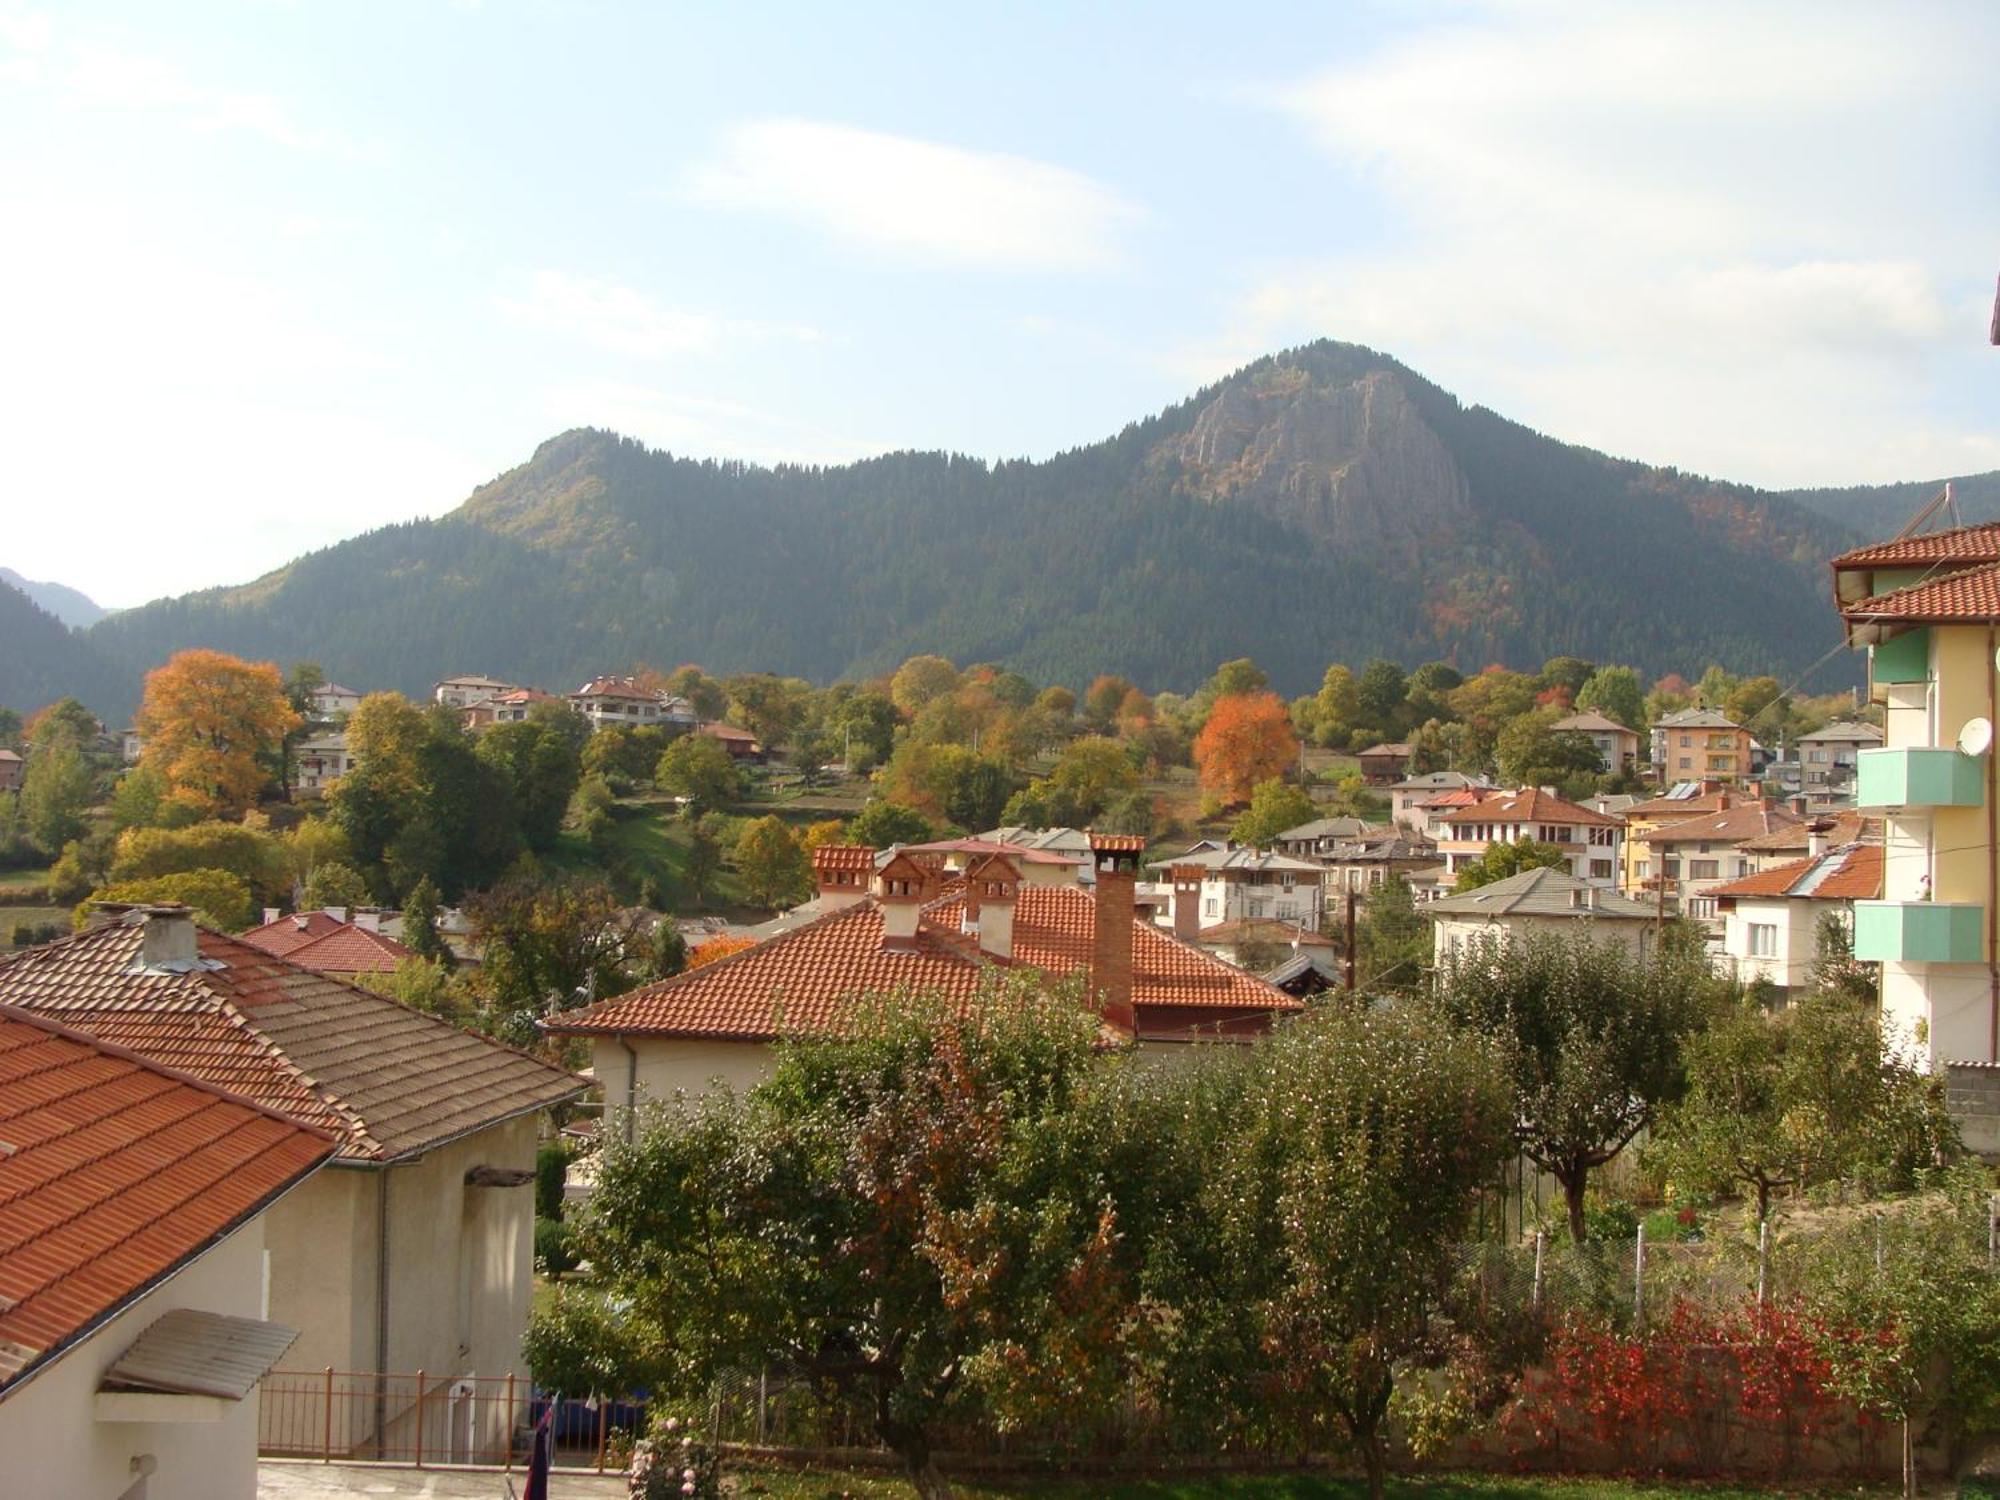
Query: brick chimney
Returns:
{"type": "Point", "coordinates": [1187, 901]}
{"type": "Point", "coordinates": [900, 892]}
{"type": "Point", "coordinates": [167, 939]}
{"type": "Point", "coordinates": [842, 873]}
{"type": "Point", "coordinates": [1116, 857]}
{"type": "Point", "coordinates": [991, 888]}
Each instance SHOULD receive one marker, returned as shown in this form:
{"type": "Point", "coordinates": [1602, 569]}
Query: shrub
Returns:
{"type": "Point", "coordinates": [672, 1462]}
{"type": "Point", "coordinates": [552, 1160]}
{"type": "Point", "coordinates": [555, 1246]}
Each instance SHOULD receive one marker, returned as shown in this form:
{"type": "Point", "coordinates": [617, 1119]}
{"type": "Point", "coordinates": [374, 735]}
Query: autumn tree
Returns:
{"type": "Point", "coordinates": [1336, 707]}
{"type": "Point", "coordinates": [1103, 700]}
{"type": "Point", "coordinates": [219, 898]}
{"type": "Point", "coordinates": [215, 726]}
{"type": "Point", "coordinates": [1275, 805]}
{"type": "Point", "coordinates": [775, 870]}
{"type": "Point", "coordinates": [920, 680]}
{"type": "Point", "coordinates": [1248, 738]}
{"type": "Point", "coordinates": [259, 859]}
{"type": "Point", "coordinates": [548, 944]}
{"type": "Point", "coordinates": [1506, 857]}
{"type": "Point", "coordinates": [698, 768]}
{"type": "Point", "coordinates": [56, 793]}
{"type": "Point", "coordinates": [420, 925]}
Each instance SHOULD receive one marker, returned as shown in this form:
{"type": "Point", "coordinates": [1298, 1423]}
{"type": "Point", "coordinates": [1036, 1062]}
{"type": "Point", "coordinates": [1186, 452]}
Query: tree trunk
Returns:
{"type": "Point", "coordinates": [1374, 1464]}
{"type": "Point", "coordinates": [1574, 1182]}
{"type": "Point", "coordinates": [1909, 1464]}
{"type": "Point", "coordinates": [926, 1480]}
{"type": "Point", "coordinates": [1763, 1200]}
{"type": "Point", "coordinates": [912, 1444]}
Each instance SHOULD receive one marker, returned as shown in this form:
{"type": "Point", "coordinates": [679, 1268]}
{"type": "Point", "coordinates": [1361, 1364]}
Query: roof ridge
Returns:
{"type": "Point", "coordinates": [1931, 581]}
{"type": "Point", "coordinates": [357, 1127]}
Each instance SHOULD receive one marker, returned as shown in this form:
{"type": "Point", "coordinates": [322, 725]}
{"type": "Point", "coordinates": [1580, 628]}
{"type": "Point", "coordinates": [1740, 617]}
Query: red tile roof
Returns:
{"type": "Point", "coordinates": [115, 1172]}
{"type": "Point", "coordinates": [1684, 807]}
{"type": "Point", "coordinates": [806, 979]}
{"type": "Point", "coordinates": [1530, 805]}
{"type": "Point", "coordinates": [1973, 595]}
{"type": "Point", "coordinates": [390, 1080]}
{"type": "Point", "coordinates": [1961, 544]}
{"type": "Point", "coordinates": [1731, 826]}
{"type": "Point", "coordinates": [853, 858]}
{"type": "Point", "coordinates": [350, 950]}
{"type": "Point", "coordinates": [286, 933]}
{"type": "Point", "coordinates": [1850, 874]}
{"type": "Point", "coordinates": [1845, 827]}
{"type": "Point", "coordinates": [723, 731]}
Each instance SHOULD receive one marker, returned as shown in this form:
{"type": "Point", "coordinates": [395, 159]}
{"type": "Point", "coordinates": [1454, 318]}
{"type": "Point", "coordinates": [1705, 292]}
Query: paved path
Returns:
{"type": "Point", "coordinates": [278, 1479]}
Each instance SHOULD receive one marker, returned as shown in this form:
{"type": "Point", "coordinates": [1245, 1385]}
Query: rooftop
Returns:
{"type": "Point", "coordinates": [1590, 721]}
{"type": "Point", "coordinates": [1845, 731]}
{"type": "Point", "coordinates": [319, 940]}
{"type": "Point", "coordinates": [1242, 858]}
{"type": "Point", "coordinates": [1730, 826]}
{"type": "Point", "coordinates": [116, 1172]}
{"type": "Point", "coordinates": [1326, 828]}
{"type": "Point", "coordinates": [388, 1080]}
{"type": "Point", "coordinates": [1697, 718]}
{"type": "Point", "coordinates": [1531, 805]}
{"type": "Point", "coordinates": [1972, 595]}
{"type": "Point", "coordinates": [1960, 544]}
{"type": "Point", "coordinates": [807, 979]}
{"type": "Point", "coordinates": [1540, 893]}
{"type": "Point", "coordinates": [1853, 873]}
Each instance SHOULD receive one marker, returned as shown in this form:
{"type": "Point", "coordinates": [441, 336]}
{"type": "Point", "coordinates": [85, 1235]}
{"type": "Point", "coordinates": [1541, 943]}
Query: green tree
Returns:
{"type": "Point", "coordinates": [56, 794]}
{"type": "Point", "coordinates": [219, 897]}
{"type": "Point", "coordinates": [1236, 678]}
{"type": "Point", "coordinates": [1594, 1037]}
{"type": "Point", "coordinates": [1566, 674]}
{"type": "Point", "coordinates": [1380, 691]}
{"type": "Point", "coordinates": [1531, 753]}
{"type": "Point", "coordinates": [333, 884]}
{"type": "Point", "coordinates": [891, 1216]}
{"type": "Point", "coordinates": [548, 944]}
{"type": "Point", "coordinates": [541, 765]}
{"type": "Point", "coordinates": [1392, 939]}
{"type": "Point", "coordinates": [259, 858]}
{"type": "Point", "coordinates": [1503, 859]}
{"type": "Point", "coordinates": [774, 868]}
{"type": "Point", "coordinates": [920, 680]}
{"type": "Point", "coordinates": [882, 823]}
{"type": "Point", "coordinates": [866, 725]}
{"type": "Point", "coordinates": [765, 705]}
{"type": "Point", "coordinates": [420, 926]}
{"type": "Point", "coordinates": [1275, 805]}
{"type": "Point", "coordinates": [704, 855]}
{"type": "Point", "coordinates": [1615, 693]}
{"type": "Point", "coordinates": [698, 768]}
{"type": "Point", "coordinates": [950, 783]}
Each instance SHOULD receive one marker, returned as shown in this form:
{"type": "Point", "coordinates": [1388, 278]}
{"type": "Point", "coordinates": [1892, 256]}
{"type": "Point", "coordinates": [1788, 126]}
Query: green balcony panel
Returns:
{"type": "Point", "coordinates": [1906, 658]}
{"type": "Point", "coordinates": [1918, 778]}
{"type": "Point", "coordinates": [1918, 932]}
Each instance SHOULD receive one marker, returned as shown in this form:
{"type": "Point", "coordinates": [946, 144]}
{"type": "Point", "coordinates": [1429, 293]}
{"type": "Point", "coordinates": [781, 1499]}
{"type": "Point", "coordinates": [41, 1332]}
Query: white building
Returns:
{"type": "Point", "coordinates": [1538, 901]}
{"type": "Point", "coordinates": [319, 761]}
{"type": "Point", "coordinates": [1408, 797]}
{"type": "Point", "coordinates": [1771, 919]}
{"type": "Point", "coordinates": [331, 702]}
{"type": "Point", "coordinates": [622, 702]}
{"type": "Point", "coordinates": [470, 691]}
{"type": "Point", "coordinates": [1591, 843]}
{"type": "Point", "coordinates": [1236, 885]}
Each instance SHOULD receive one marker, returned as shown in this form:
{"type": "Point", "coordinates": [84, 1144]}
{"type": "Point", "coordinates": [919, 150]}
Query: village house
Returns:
{"type": "Point", "coordinates": [1408, 797]}
{"type": "Point", "coordinates": [319, 760]}
{"type": "Point", "coordinates": [134, 1325]}
{"type": "Point", "coordinates": [327, 942]}
{"type": "Point", "coordinates": [1700, 743]}
{"type": "Point", "coordinates": [514, 707]}
{"type": "Point", "coordinates": [1539, 901]}
{"type": "Point", "coordinates": [1771, 919]}
{"type": "Point", "coordinates": [1591, 842]}
{"type": "Point", "coordinates": [1228, 885]}
{"type": "Point", "coordinates": [910, 925]}
{"type": "Point", "coordinates": [1813, 833]}
{"type": "Point", "coordinates": [1260, 944]}
{"type": "Point", "coordinates": [1383, 764]}
{"type": "Point", "coordinates": [1311, 840]}
{"type": "Point", "coordinates": [1431, 814]}
{"type": "Point", "coordinates": [1356, 857]}
{"type": "Point", "coordinates": [131, 745]}
{"type": "Point", "coordinates": [740, 743]}
{"type": "Point", "coordinates": [1926, 608]}
{"type": "Point", "coordinates": [623, 702]}
{"type": "Point", "coordinates": [1684, 799]}
{"type": "Point", "coordinates": [331, 702]}
{"type": "Point", "coordinates": [1827, 756]}
{"type": "Point", "coordinates": [413, 1250]}
{"type": "Point", "coordinates": [469, 691]}
{"type": "Point", "coordinates": [1688, 857]}
{"type": "Point", "coordinates": [1617, 746]}
{"type": "Point", "coordinates": [11, 769]}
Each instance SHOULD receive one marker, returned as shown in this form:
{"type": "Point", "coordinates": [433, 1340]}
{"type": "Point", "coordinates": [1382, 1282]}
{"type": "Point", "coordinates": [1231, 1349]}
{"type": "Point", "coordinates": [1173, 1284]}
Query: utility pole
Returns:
{"type": "Point", "coordinates": [1350, 940]}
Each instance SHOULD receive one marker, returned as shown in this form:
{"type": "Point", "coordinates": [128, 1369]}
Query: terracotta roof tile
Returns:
{"type": "Point", "coordinates": [1730, 826]}
{"type": "Point", "coordinates": [1846, 827]}
{"type": "Point", "coordinates": [350, 950]}
{"type": "Point", "coordinates": [1530, 805]}
{"type": "Point", "coordinates": [320, 1050]}
{"type": "Point", "coordinates": [807, 979]}
{"type": "Point", "coordinates": [286, 933]}
{"type": "Point", "coordinates": [1684, 807]}
{"type": "Point", "coordinates": [1972, 595]}
{"type": "Point", "coordinates": [116, 1171]}
{"type": "Point", "coordinates": [1961, 544]}
{"type": "Point", "coordinates": [1850, 874]}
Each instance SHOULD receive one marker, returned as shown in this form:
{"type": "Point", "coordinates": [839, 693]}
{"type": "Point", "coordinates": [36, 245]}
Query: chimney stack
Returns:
{"type": "Point", "coordinates": [167, 939]}
{"type": "Point", "coordinates": [1187, 901]}
{"type": "Point", "coordinates": [368, 918]}
{"type": "Point", "coordinates": [271, 914]}
{"type": "Point", "coordinates": [899, 891]}
{"type": "Point", "coordinates": [1116, 856]}
{"type": "Point", "coordinates": [842, 873]}
{"type": "Point", "coordinates": [1816, 839]}
{"type": "Point", "coordinates": [991, 888]}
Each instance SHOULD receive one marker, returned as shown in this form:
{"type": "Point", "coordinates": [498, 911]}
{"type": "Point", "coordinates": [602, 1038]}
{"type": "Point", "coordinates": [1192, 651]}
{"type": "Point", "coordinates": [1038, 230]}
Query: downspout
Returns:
{"type": "Point", "coordinates": [381, 1303]}
{"type": "Point", "coordinates": [632, 1085]}
{"type": "Point", "coordinates": [1992, 665]}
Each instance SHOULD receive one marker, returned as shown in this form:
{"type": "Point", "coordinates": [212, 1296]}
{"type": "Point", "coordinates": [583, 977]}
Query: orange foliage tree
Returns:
{"type": "Point", "coordinates": [213, 726]}
{"type": "Point", "coordinates": [704, 954]}
{"type": "Point", "coordinates": [1248, 738]}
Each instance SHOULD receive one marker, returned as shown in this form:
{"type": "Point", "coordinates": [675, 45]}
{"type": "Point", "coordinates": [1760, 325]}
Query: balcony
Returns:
{"type": "Point", "coordinates": [1918, 778]}
{"type": "Point", "coordinates": [1918, 932]}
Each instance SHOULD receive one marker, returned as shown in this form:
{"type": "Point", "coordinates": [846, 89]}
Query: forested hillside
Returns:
{"type": "Point", "coordinates": [1880, 510]}
{"type": "Point", "coordinates": [42, 659]}
{"type": "Point", "coordinates": [1321, 505]}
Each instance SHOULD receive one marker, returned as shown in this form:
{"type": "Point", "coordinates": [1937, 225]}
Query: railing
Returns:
{"type": "Point", "coordinates": [424, 1420]}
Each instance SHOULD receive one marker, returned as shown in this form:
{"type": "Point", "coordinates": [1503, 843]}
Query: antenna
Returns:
{"type": "Point", "coordinates": [1976, 738]}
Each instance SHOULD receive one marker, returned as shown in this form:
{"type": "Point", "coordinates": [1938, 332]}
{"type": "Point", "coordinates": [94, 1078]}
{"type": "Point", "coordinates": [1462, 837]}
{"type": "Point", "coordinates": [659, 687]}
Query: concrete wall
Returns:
{"type": "Point", "coordinates": [1972, 1094]}
{"type": "Point", "coordinates": [666, 1067]}
{"type": "Point", "coordinates": [52, 1447]}
{"type": "Point", "coordinates": [1452, 933]}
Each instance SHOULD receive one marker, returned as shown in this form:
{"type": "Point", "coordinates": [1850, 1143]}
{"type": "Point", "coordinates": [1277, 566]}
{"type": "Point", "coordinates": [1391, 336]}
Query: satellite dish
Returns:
{"type": "Point", "coordinates": [1976, 738]}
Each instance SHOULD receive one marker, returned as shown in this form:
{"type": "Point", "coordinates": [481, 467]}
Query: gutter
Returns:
{"type": "Point", "coordinates": [631, 1087]}
{"type": "Point", "coordinates": [382, 1306]}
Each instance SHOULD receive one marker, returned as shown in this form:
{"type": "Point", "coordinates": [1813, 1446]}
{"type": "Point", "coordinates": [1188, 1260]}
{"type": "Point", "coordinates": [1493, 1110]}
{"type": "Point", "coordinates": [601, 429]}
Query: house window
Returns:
{"type": "Point", "coordinates": [1704, 869]}
{"type": "Point", "coordinates": [1643, 869]}
{"type": "Point", "coordinates": [1208, 907]}
{"type": "Point", "coordinates": [1702, 907]}
{"type": "Point", "coordinates": [1685, 763]}
{"type": "Point", "coordinates": [1763, 940]}
{"type": "Point", "coordinates": [1816, 757]}
{"type": "Point", "coordinates": [1600, 869]}
{"type": "Point", "coordinates": [1288, 911]}
{"type": "Point", "coordinates": [1687, 740]}
{"type": "Point", "coordinates": [1671, 868]}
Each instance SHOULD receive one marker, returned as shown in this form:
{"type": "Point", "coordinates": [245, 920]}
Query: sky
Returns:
{"type": "Point", "coordinates": [272, 274]}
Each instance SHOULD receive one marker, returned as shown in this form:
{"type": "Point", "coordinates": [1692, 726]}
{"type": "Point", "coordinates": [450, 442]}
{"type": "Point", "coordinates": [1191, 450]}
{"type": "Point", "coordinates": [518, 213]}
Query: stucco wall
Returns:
{"type": "Point", "coordinates": [667, 1066]}
{"type": "Point", "coordinates": [1636, 936]}
{"type": "Point", "coordinates": [1798, 935]}
{"type": "Point", "coordinates": [322, 1242]}
{"type": "Point", "coordinates": [52, 1447]}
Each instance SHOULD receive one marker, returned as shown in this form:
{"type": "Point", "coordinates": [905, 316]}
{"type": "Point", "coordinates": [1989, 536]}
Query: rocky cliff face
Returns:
{"type": "Point", "coordinates": [1351, 464]}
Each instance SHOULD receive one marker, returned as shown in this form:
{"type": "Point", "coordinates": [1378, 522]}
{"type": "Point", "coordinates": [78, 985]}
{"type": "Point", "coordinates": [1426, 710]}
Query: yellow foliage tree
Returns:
{"type": "Point", "coordinates": [213, 726]}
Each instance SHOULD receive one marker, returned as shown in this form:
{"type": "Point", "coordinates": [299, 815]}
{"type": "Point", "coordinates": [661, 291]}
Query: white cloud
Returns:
{"type": "Point", "coordinates": [1725, 237]}
{"type": "Point", "coordinates": [916, 201]}
{"type": "Point", "coordinates": [700, 426]}
{"type": "Point", "coordinates": [623, 320]}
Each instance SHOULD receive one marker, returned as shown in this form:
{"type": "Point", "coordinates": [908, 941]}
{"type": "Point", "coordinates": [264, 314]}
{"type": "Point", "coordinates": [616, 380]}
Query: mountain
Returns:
{"type": "Point", "coordinates": [44, 659]}
{"type": "Point", "coordinates": [72, 606]}
{"type": "Point", "coordinates": [1325, 504]}
{"type": "Point", "coordinates": [1881, 510]}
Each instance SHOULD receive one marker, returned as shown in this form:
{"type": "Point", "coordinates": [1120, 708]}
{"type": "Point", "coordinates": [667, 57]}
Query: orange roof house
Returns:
{"type": "Point", "coordinates": [320, 941]}
{"type": "Point", "coordinates": [132, 1208]}
{"type": "Point", "coordinates": [1590, 840]}
{"type": "Point", "coordinates": [436, 1130]}
{"type": "Point", "coordinates": [1771, 918]}
{"type": "Point", "coordinates": [916, 928]}
{"type": "Point", "coordinates": [1692, 856]}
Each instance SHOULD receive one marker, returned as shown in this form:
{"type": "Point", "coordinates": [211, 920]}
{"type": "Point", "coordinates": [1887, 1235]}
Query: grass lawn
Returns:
{"type": "Point", "coordinates": [32, 916]}
{"type": "Point", "coordinates": [24, 877]}
{"type": "Point", "coordinates": [820, 1484]}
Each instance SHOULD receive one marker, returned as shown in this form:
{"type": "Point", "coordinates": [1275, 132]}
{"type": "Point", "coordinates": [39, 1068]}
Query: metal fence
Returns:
{"type": "Point", "coordinates": [426, 1420]}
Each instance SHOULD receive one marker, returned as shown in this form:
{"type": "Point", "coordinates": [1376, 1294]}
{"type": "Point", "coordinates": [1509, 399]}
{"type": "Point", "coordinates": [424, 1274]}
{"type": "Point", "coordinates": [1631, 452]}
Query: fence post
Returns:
{"type": "Point", "coordinates": [326, 1424]}
{"type": "Point", "coordinates": [1639, 1276]}
{"type": "Point", "coordinates": [420, 1419]}
{"type": "Point", "coordinates": [763, 1404]}
{"type": "Point", "coordinates": [1878, 1246]}
{"type": "Point", "coordinates": [507, 1432]}
{"type": "Point", "coordinates": [1763, 1257]}
{"type": "Point", "coordinates": [1535, 1300]}
{"type": "Point", "coordinates": [1992, 1229]}
{"type": "Point", "coordinates": [603, 1417]}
